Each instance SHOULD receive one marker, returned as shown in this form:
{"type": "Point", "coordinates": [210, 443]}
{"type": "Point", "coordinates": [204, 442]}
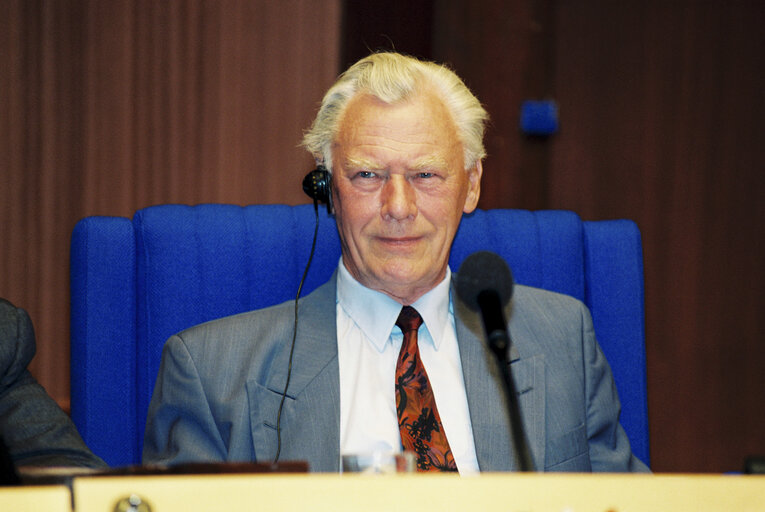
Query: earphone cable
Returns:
{"type": "Point", "coordinates": [294, 336]}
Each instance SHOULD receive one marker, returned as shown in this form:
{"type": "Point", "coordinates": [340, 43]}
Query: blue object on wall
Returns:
{"type": "Point", "coordinates": [539, 117]}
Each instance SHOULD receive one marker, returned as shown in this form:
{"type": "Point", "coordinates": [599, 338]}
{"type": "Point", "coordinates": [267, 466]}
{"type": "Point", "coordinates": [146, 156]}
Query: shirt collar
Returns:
{"type": "Point", "coordinates": [375, 313]}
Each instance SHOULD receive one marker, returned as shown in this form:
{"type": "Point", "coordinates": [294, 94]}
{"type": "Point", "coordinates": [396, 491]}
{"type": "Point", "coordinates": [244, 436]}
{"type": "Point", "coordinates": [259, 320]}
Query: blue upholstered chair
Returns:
{"type": "Point", "coordinates": [135, 283]}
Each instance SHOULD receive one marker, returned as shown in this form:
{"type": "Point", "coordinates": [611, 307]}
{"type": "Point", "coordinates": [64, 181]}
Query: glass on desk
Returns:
{"type": "Point", "coordinates": [379, 463]}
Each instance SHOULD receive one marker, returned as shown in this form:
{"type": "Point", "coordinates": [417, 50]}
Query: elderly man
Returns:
{"type": "Point", "coordinates": [384, 356]}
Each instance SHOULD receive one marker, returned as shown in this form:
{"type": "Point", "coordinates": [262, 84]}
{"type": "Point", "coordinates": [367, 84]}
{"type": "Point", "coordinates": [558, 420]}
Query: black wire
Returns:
{"type": "Point", "coordinates": [294, 336]}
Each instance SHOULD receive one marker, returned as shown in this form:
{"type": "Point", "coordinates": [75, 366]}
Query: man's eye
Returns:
{"type": "Point", "coordinates": [365, 174]}
{"type": "Point", "coordinates": [425, 174]}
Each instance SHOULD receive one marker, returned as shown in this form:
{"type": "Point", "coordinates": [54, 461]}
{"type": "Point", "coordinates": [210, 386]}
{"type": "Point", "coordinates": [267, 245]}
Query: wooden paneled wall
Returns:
{"type": "Point", "coordinates": [668, 131]}
{"type": "Point", "coordinates": [661, 106]}
{"type": "Point", "coordinates": [106, 107]}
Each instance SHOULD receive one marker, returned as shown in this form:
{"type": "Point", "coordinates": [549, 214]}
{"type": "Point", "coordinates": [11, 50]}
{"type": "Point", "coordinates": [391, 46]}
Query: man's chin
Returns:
{"type": "Point", "coordinates": [407, 285]}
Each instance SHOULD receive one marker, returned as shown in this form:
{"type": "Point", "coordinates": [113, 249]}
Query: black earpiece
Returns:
{"type": "Point", "coordinates": [318, 185]}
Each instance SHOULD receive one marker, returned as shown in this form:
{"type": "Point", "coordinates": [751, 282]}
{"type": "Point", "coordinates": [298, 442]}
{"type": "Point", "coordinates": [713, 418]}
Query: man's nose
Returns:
{"type": "Point", "coordinates": [399, 200]}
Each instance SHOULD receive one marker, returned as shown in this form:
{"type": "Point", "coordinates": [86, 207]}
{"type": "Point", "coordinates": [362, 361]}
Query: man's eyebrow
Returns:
{"type": "Point", "coordinates": [429, 162]}
{"type": "Point", "coordinates": [361, 163]}
{"type": "Point", "coordinates": [423, 163]}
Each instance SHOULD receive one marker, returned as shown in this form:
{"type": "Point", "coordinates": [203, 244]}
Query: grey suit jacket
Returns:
{"type": "Point", "coordinates": [220, 385]}
{"type": "Point", "coordinates": [36, 431]}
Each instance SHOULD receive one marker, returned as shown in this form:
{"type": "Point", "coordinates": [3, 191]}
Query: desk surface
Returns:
{"type": "Point", "coordinates": [489, 492]}
{"type": "Point", "coordinates": [49, 498]}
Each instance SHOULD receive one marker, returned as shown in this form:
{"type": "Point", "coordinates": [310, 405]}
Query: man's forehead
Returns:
{"type": "Point", "coordinates": [425, 103]}
{"type": "Point", "coordinates": [373, 134]}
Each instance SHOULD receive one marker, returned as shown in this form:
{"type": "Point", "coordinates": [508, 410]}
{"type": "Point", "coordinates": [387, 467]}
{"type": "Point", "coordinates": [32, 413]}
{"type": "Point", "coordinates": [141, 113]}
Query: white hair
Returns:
{"type": "Point", "coordinates": [392, 77]}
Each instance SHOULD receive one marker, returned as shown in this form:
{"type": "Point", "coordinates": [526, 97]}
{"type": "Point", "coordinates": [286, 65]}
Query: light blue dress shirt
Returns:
{"type": "Point", "coordinates": [368, 346]}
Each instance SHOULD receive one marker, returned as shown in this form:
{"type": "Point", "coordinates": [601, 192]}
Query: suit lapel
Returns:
{"type": "Point", "coordinates": [310, 422]}
{"type": "Point", "coordinates": [486, 398]}
{"type": "Point", "coordinates": [310, 418]}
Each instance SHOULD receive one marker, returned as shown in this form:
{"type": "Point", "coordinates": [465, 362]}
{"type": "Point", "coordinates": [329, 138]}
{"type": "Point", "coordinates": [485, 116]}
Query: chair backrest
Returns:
{"type": "Point", "coordinates": [135, 283]}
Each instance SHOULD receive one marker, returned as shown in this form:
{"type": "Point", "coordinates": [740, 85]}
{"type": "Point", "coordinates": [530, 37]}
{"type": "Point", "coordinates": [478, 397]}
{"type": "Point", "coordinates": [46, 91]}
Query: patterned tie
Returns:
{"type": "Point", "coordinates": [418, 418]}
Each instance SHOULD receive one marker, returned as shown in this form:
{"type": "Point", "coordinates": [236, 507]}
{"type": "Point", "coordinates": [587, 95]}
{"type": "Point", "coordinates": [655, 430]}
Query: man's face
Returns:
{"type": "Point", "coordinates": [400, 189]}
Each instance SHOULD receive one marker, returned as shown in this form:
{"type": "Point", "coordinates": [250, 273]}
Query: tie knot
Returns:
{"type": "Point", "coordinates": [409, 319]}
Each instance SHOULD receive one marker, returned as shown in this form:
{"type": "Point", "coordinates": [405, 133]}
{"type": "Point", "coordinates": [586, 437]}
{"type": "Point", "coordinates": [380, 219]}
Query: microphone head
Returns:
{"type": "Point", "coordinates": [482, 271]}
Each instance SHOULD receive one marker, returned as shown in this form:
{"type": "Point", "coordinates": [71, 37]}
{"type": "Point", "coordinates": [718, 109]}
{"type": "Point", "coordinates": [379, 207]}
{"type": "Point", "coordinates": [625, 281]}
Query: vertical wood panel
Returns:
{"type": "Point", "coordinates": [108, 107]}
{"type": "Point", "coordinates": [661, 103]}
{"type": "Point", "coordinates": [382, 25]}
{"type": "Point", "coordinates": [498, 49]}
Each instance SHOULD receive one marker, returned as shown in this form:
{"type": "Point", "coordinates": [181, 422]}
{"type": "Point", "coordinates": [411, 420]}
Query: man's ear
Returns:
{"type": "Point", "coordinates": [474, 187]}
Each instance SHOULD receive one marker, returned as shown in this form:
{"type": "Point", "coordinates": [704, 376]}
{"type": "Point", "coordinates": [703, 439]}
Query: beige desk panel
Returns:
{"type": "Point", "coordinates": [489, 492]}
{"type": "Point", "coordinates": [35, 499]}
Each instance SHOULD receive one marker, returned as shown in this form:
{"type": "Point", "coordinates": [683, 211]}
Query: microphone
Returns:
{"type": "Point", "coordinates": [485, 284]}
